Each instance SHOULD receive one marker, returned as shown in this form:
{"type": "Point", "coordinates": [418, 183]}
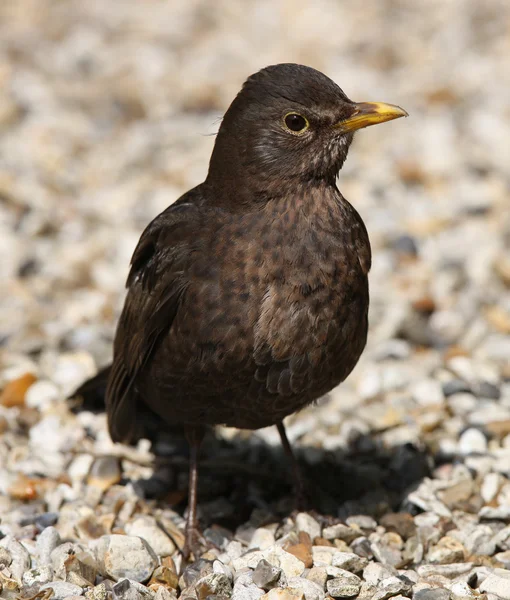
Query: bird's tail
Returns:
{"type": "Point", "coordinates": [91, 394]}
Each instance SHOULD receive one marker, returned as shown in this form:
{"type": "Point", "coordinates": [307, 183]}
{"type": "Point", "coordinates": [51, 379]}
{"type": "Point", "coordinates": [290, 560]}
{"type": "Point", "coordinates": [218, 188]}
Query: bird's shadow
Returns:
{"type": "Point", "coordinates": [244, 479]}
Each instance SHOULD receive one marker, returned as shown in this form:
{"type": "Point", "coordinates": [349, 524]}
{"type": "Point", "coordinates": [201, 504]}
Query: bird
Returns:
{"type": "Point", "coordinates": [247, 298]}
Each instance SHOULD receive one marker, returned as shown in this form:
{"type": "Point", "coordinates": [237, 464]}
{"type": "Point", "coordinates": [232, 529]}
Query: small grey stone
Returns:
{"type": "Point", "coordinates": [497, 583]}
{"type": "Point", "coordinates": [62, 589]}
{"type": "Point", "coordinates": [455, 386]}
{"type": "Point", "coordinates": [47, 541]}
{"type": "Point", "coordinates": [306, 523]}
{"type": "Point", "coordinates": [390, 587]}
{"type": "Point", "coordinates": [405, 244]}
{"type": "Point", "coordinates": [349, 561]}
{"type": "Point", "coordinates": [344, 586]}
{"type": "Point", "coordinates": [20, 558]}
{"type": "Point", "coordinates": [387, 555]}
{"type": "Point", "coordinates": [126, 590]}
{"type": "Point", "coordinates": [361, 546]}
{"type": "Point", "coordinates": [432, 594]}
{"type": "Point", "coordinates": [46, 519]}
{"type": "Point", "coordinates": [195, 571]}
{"type": "Point", "coordinates": [265, 575]}
{"type": "Point", "coordinates": [311, 590]}
{"type": "Point", "coordinates": [38, 575]}
{"type": "Point", "coordinates": [485, 389]}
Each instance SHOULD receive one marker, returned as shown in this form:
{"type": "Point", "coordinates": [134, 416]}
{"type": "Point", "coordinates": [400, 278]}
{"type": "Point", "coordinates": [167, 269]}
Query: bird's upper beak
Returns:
{"type": "Point", "coordinates": [370, 113]}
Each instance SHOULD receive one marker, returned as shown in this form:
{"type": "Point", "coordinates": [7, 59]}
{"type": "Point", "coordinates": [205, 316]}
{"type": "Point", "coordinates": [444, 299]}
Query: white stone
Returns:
{"type": "Point", "coordinates": [306, 523]}
{"type": "Point", "coordinates": [147, 528]}
{"type": "Point", "coordinates": [472, 441]}
{"type": "Point", "coordinates": [262, 538]}
{"type": "Point", "coordinates": [288, 563]}
{"type": "Point", "coordinates": [428, 392]}
{"type": "Point", "coordinates": [497, 583]}
{"type": "Point", "coordinates": [125, 556]}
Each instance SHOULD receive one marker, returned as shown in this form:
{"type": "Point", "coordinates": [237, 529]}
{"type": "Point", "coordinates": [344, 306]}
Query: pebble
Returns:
{"type": "Point", "coordinates": [284, 594]}
{"type": "Point", "coordinates": [428, 392]}
{"type": "Point", "coordinates": [349, 561]}
{"type": "Point", "coordinates": [460, 589]}
{"type": "Point", "coordinates": [130, 590]}
{"type": "Point", "coordinates": [125, 556]}
{"type": "Point", "coordinates": [262, 538]}
{"type": "Point", "coordinates": [288, 563]}
{"type": "Point", "coordinates": [340, 532]}
{"type": "Point", "coordinates": [214, 584]}
{"type": "Point", "coordinates": [472, 441]}
{"type": "Point", "coordinates": [318, 575]}
{"type": "Point", "coordinates": [448, 550]}
{"type": "Point", "coordinates": [147, 528]}
{"type": "Point", "coordinates": [104, 472]}
{"type": "Point", "coordinates": [432, 594]}
{"type": "Point", "coordinates": [306, 523]}
{"type": "Point", "coordinates": [62, 589]}
{"type": "Point", "coordinates": [344, 586]}
{"type": "Point", "coordinates": [245, 589]}
{"type": "Point", "coordinates": [497, 583]}
{"type": "Point", "coordinates": [310, 589]}
{"type": "Point", "coordinates": [20, 558]}
{"type": "Point", "coordinates": [266, 575]}
{"type": "Point", "coordinates": [47, 541]}
{"type": "Point", "coordinates": [37, 575]}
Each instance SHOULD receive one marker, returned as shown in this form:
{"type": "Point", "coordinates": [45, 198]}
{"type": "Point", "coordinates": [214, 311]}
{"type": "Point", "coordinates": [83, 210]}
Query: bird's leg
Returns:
{"type": "Point", "coordinates": [195, 435]}
{"type": "Point", "coordinates": [299, 484]}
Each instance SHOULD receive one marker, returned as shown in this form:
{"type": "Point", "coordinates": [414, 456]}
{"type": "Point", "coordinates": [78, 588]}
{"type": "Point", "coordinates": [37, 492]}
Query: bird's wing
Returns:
{"type": "Point", "coordinates": [156, 284]}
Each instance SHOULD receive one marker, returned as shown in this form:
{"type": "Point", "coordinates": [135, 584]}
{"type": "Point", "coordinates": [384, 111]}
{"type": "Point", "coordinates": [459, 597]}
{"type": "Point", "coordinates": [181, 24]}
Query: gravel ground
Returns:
{"type": "Point", "coordinates": [106, 116]}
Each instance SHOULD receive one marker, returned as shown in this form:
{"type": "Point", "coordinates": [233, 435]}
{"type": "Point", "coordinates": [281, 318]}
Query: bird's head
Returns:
{"type": "Point", "coordinates": [290, 123]}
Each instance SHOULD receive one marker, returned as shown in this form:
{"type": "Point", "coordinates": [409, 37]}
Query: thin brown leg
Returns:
{"type": "Point", "coordinates": [299, 484]}
{"type": "Point", "coordinates": [195, 436]}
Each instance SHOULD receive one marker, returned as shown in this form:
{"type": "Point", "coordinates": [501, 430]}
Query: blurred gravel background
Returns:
{"type": "Point", "coordinates": [108, 111]}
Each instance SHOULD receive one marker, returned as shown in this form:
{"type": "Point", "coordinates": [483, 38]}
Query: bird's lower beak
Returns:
{"type": "Point", "coordinates": [370, 113]}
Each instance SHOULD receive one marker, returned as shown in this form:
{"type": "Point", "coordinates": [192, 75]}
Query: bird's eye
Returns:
{"type": "Point", "coordinates": [295, 122]}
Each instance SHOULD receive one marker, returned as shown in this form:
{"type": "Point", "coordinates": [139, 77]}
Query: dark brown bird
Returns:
{"type": "Point", "coordinates": [247, 298]}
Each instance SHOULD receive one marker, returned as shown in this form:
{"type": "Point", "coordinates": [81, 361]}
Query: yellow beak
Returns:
{"type": "Point", "coordinates": [370, 113]}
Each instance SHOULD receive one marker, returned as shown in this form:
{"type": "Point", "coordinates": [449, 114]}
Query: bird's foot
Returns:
{"type": "Point", "coordinates": [195, 544]}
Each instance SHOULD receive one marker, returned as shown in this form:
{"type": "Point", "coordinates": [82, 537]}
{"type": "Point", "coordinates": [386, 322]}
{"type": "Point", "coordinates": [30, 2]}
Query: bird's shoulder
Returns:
{"type": "Point", "coordinates": [169, 240]}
